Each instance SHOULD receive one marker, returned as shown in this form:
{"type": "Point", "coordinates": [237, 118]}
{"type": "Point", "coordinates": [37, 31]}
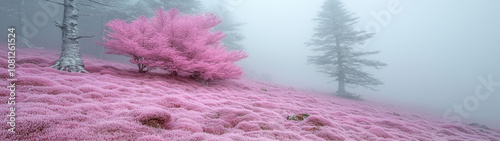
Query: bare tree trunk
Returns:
{"type": "Point", "coordinates": [341, 89]}
{"type": "Point", "coordinates": [341, 76]}
{"type": "Point", "coordinates": [341, 79]}
{"type": "Point", "coordinates": [70, 59]}
{"type": "Point", "coordinates": [99, 49]}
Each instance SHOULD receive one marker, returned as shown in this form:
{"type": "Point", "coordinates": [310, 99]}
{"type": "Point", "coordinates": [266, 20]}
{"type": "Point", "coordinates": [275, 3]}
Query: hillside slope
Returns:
{"type": "Point", "coordinates": [113, 102]}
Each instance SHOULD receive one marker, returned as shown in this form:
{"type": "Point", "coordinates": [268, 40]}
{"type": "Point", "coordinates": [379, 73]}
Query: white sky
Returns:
{"type": "Point", "coordinates": [435, 50]}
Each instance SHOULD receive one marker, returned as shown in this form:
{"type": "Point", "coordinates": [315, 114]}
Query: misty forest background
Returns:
{"type": "Point", "coordinates": [436, 51]}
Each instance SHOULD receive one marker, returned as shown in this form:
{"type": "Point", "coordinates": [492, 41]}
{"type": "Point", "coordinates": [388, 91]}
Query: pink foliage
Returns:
{"type": "Point", "coordinates": [56, 105]}
{"type": "Point", "coordinates": [277, 135]}
{"type": "Point", "coordinates": [176, 102]}
{"type": "Point", "coordinates": [395, 125]}
{"type": "Point", "coordinates": [56, 90]}
{"type": "Point", "coordinates": [150, 138]}
{"type": "Point", "coordinates": [216, 126]}
{"type": "Point", "coordinates": [318, 121]}
{"type": "Point", "coordinates": [379, 132]}
{"type": "Point", "coordinates": [248, 126]}
{"type": "Point", "coordinates": [187, 125]}
{"type": "Point", "coordinates": [34, 81]}
{"type": "Point", "coordinates": [233, 116]}
{"type": "Point", "coordinates": [113, 130]}
{"type": "Point", "coordinates": [33, 127]}
{"type": "Point", "coordinates": [38, 60]}
{"type": "Point", "coordinates": [153, 117]}
{"type": "Point", "coordinates": [329, 136]}
{"type": "Point", "coordinates": [180, 44]}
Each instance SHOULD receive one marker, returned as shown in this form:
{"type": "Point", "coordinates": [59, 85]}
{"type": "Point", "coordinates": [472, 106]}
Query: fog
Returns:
{"type": "Point", "coordinates": [435, 51]}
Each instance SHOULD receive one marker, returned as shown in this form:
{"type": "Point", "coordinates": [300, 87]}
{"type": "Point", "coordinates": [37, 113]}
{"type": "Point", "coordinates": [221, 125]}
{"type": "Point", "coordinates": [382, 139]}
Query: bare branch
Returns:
{"type": "Point", "coordinates": [84, 4]}
{"type": "Point", "coordinates": [55, 2]}
{"type": "Point", "coordinates": [88, 14]}
{"type": "Point", "coordinates": [82, 37]}
{"type": "Point", "coordinates": [58, 24]}
{"type": "Point", "coordinates": [94, 1]}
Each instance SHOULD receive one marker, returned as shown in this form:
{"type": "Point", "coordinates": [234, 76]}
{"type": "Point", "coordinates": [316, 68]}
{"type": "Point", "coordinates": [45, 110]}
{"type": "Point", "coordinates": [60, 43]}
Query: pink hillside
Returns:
{"type": "Point", "coordinates": [115, 102]}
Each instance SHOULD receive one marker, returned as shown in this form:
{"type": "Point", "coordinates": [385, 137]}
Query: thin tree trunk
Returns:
{"type": "Point", "coordinates": [341, 76]}
{"type": "Point", "coordinates": [70, 59]}
{"type": "Point", "coordinates": [341, 79]}
{"type": "Point", "coordinates": [103, 22]}
{"type": "Point", "coordinates": [341, 89]}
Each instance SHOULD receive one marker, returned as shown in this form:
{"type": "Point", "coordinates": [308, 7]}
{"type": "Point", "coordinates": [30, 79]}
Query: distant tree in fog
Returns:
{"type": "Point", "coordinates": [335, 37]}
{"type": "Point", "coordinates": [118, 9]}
{"type": "Point", "coordinates": [229, 26]}
{"type": "Point", "coordinates": [14, 11]}
{"type": "Point", "coordinates": [147, 7]}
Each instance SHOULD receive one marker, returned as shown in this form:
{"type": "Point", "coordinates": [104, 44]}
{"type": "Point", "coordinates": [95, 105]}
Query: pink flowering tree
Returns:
{"type": "Point", "coordinates": [181, 44]}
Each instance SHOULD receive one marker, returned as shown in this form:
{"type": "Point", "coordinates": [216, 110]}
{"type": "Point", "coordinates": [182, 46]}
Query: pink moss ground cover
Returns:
{"type": "Point", "coordinates": [114, 102]}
